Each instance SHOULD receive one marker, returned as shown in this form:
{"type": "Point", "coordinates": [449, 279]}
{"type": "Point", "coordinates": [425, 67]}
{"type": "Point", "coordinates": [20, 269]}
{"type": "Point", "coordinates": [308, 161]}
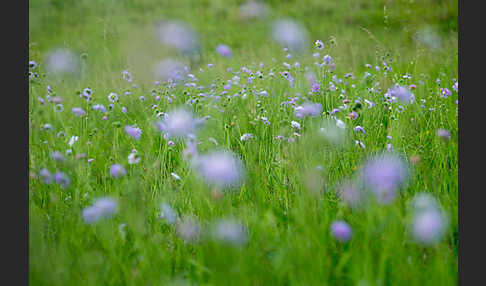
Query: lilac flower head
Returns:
{"type": "Point", "coordinates": [246, 137]}
{"type": "Point", "coordinates": [220, 168]}
{"type": "Point", "coordinates": [445, 92]}
{"type": "Point", "coordinates": [319, 44]}
{"type": "Point", "coordinates": [32, 64]}
{"type": "Point", "coordinates": [295, 125]}
{"type": "Point", "coordinates": [188, 229]}
{"type": "Point", "coordinates": [168, 213]}
{"type": "Point", "coordinates": [170, 70]}
{"type": "Point", "coordinates": [133, 157]}
{"type": "Point", "coordinates": [229, 231]}
{"type": "Point", "coordinates": [59, 107]}
{"type": "Point", "coordinates": [290, 34]}
{"type": "Point", "coordinates": [101, 208]}
{"type": "Point", "coordinates": [308, 109]}
{"type": "Point", "coordinates": [113, 97]}
{"type": "Point", "coordinates": [46, 176]}
{"type": "Point", "coordinates": [443, 134]}
{"type": "Point", "coordinates": [316, 87]}
{"type": "Point", "coordinates": [57, 156]}
{"type": "Point", "coordinates": [133, 131]}
{"type": "Point", "coordinates": [178, 35]}
{"type": "Point", "coordinates": [117, 170]}
{"type": "Point", "coordinates": [455, 86]}
{"type": "Point", "coordinates": [400, 92]}
{"type": "Point", "coordinates": [179, 123]}
{"type": "Point", "coordinates": [253, 9]}
{"type": "Point", "coordinates": [126, 75]}
{"type": "Point", "coordinates": [99, 107]}
{"type": "Point", "coordinates": [62, 179]}
{"type": "Point", "coordinates": [327, 59]}
{"type": "Point", "coordinates": [383, 175]}
{"type": "Point", "coordinates": [62, 61]}
{"type": "Point", "coordinates": [341, 231]}
{"type": "Point", "coordinates": [359, 129]}
{"type": "Point", "coordinates": [353, 115]}
{"type": "Point", "coordinates": [224, 51]}
{"type": "Point", "coordinates": [428, 222]}
{"type": "Point", "coordinates": [78, 111]}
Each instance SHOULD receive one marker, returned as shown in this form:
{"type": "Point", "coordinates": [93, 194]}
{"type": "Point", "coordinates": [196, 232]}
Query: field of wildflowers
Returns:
{"type": "Point", "coordinates": [243, 142]}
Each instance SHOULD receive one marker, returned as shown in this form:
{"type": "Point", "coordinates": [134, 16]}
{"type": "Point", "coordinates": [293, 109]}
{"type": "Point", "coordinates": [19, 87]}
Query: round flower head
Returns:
{"type": "Point", "coordinates": [178, 35]}
{"type": "Point", "coordinates": [170, 70]}
{"type": "Point", "coordinates": [290, 34]}
{"type": "Point", "coordinates": [443, 134]}
{"type": "Point", "coordinates": [62, 61]}
{"type": "Point", "coordinates": [316, 87]}
{"type": "Point", "coordinates": [56, 155]}
{"type": "Point", "coordinates": [253, 9]}
{"type": "Point", "coordinates": [220, 168]}
{"type": "Point", "coordinates": [126, 75]}
{"type": "Point", "coordinates": [383, 175]}
{"type": "Point", "coordinates": [188, 229]}
{"type": "Point", "coordinates": [308, 109]}
{"type": "Point", "coordinates": [428, 222]}
{"type": "Point", "coordinates": [224, 51]}
{"type": "Point", "coordinates": [400, 92]}
{"type": "Point", "coordinates": [133, 158]}
{"type": "Point", "coordinates": [62, 179]}
{"type": "Point", "coordinates": [168, 213]}
{"type": "Point", "coordinates": [295, 125]}
{"type": "Point", "coordinates": [352, 195]}
{"type": "Point", "coordinates": [229, 231]}
{"type": "Point", "coordinates": [133, 131]}
{"type": "Point", "coordinates": [32, 64]}
{"type": "Point", "coordinates": [78, 111]}
{"type": "Point", "coordinates": [117, 170]}
{"type": "Point", "coordinates": [99, 107]}
{"type": "Point", "coordinates": [246, 137]}
{"type": "Point", "coordinates": [113, 97]}
{"type": "Point", "coordinates": [178, 123]}
{"type": "Point", "coordinates": [102, 208]}
{"type": "Point", "coordinates": [45, 176]}
{"type": "Point", "coordinates": [319, 44]}
{"type": "Point", "coordinates": [341, 231]}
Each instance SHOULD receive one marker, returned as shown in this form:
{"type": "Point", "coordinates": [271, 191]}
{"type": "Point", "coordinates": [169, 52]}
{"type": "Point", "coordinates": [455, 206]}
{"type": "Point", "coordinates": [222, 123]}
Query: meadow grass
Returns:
{"type": "Point", "coordinates": [287, 222]}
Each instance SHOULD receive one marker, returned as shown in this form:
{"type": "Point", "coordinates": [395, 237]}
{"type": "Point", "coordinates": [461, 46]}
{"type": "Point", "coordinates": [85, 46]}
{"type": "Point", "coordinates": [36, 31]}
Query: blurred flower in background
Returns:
{"type": "Point", "coordinates": [178, 35]}
{"type": "Point", "coordinates": [62, 61]}
{"type": "Point", "coordinates": [290, 34]}
{"type": "Point", "coordinates": [428, 222]}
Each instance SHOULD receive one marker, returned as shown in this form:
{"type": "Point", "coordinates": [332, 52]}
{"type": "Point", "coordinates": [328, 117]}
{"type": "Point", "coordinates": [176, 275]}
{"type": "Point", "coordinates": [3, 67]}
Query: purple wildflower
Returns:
{"type": "Point", "coordinates": [319, 44]}
{"type": "Point", "coordinates": [78, 111]}
{"type": "Point", "coordinates": [341, 231]}
{"type": "Point", "coordinates": [133, 131]}
{"type": "Point", "coordinates": [99, 107]}
{"type": "Point", "coordinates": [443, 134]}
{"type": "Point", "coordinates": [46, 176]}
{"type": "Point", "coordinates": [102, 208]}
{"type": "Point", "coordinates": [57, 156]}
{"type": "Point", "coordinates": [113, 97]}
{"type": "Point", "coordinates": [224, 51]}
{"type": "Point", "coordinates": [220, 168]}
{"type": "Point", "coordinates": [400, 92]}
{"type": "Point", "coordinates": [316, 87]}
{"type": "Point", "coordinates": [117, 170]}
{"type": "Point", "coordinates": [353, 115]}
{"type": "Point", "coordinates": [384, 174]}
{"type": "Point", "coordinates": [62, 179]}
{"type": "Point", "coordinates": [308, 109]}
{"type": "Point", "coordinates": [359, 129]}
